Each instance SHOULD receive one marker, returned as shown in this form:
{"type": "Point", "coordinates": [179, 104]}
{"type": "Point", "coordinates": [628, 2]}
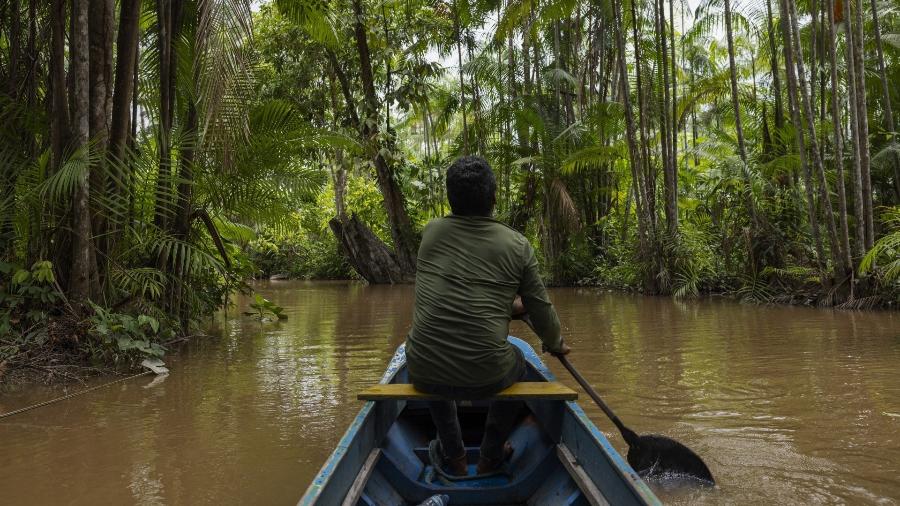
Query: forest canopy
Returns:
{"type": "Point", "coordinates": [157, 155]}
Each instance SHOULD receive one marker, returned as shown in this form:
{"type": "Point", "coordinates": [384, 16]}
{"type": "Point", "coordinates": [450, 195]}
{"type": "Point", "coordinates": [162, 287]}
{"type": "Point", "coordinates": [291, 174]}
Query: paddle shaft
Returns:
{"type": "Point", "coordinates": [626, 432]}
{"type": "Point", "coordinates": [592, 393]}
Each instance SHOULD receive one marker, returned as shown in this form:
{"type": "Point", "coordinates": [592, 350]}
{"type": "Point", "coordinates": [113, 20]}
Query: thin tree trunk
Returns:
{"type": "Point", "coordinates": [735, 102]}
{"type": "Point", "coordinates": [776, 75]}
{"type": "Point", "coordinates": [15, 47]}
{"type": "Point", "coordinates": [813, 47]}
{"type": "Point", "coordinates": [673, 123]}
{"type": "Point", "coordinates": [462, 84]}
{"type": "Point", "coordinates": [132, 136]}
{"type": "Point", "coordinates": [101, 20]}
{"type": "Point", "coordinates": [127, 42]}
{"type": "Point", "coordinates": [852, 86]}
{"type": "Point", "coordinates": [59, 101]}
{"type": "Point", "coordinates": [165, 25]}
{"type": "Point", "coordinates": [33, 57]}
{"type": "Point", "coordinates": [863, 118]}
{"type": "Point", "coordinates": [387, 70]}
{"type": "Point", "coordinates": [82, 272]}
{"type": "Point", "coordinates": [846, 263]}
{"type": "Point", "coordinates": [694, 121]}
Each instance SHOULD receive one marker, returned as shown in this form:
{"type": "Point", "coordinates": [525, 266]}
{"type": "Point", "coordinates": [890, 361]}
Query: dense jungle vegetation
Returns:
{"type": "Point", "coordinates": [155, 155]}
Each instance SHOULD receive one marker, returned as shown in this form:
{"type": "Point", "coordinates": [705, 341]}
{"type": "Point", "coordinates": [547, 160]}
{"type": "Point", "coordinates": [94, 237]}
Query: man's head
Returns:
{"type": "Point", "coordinates": [471, 187]}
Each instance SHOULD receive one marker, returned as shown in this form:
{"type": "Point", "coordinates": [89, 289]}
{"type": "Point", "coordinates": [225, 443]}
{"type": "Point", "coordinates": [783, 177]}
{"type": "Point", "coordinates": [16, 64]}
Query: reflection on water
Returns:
{"type": "Point", "coordinates": [786, 405]}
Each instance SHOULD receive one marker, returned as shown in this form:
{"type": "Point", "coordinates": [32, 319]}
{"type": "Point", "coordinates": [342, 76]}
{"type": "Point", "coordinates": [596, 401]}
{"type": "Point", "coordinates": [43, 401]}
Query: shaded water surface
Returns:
{"type": "Point", "coordinates": [787, 405]}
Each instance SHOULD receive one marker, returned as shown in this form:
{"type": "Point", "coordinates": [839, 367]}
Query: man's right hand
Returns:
{"type": "Point", "coordinates": [563, 349]}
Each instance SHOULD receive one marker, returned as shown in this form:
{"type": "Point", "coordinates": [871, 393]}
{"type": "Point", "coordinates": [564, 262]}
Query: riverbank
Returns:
{"type": "Point", "coordinates": [791, 290]}
{"type": "Point", "coordinates": [69, 361]}
{"type": "Point", "coordinates": [812, 295]}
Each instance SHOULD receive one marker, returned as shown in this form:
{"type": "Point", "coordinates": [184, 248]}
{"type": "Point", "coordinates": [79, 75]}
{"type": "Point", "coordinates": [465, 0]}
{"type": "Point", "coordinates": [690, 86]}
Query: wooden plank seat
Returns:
{"type": "Point", "coordinates": [522, 391]}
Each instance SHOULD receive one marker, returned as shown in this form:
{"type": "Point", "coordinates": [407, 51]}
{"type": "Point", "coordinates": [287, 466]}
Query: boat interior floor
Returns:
{"type": "Point", "coordinates": [403, 473]}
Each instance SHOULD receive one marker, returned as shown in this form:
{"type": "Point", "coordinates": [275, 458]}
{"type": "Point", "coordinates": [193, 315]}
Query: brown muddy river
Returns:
{"type": "Point", "coordinates": [787, 405]}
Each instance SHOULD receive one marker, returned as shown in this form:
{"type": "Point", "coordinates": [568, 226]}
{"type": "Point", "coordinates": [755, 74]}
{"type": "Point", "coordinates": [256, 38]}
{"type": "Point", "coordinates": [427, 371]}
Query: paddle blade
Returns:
{"type": "Point", "coordinates": [656, 456]}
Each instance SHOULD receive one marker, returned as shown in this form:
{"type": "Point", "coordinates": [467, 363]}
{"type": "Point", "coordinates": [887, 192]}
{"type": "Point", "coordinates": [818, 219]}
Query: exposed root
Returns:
{"type": "Point", "coordinates": [862, 303]}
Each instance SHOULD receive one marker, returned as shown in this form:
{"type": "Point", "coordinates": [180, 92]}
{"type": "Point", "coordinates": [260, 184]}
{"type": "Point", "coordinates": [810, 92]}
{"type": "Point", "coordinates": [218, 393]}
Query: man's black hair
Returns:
{"type": "Point", "coordinates": [471, 187]}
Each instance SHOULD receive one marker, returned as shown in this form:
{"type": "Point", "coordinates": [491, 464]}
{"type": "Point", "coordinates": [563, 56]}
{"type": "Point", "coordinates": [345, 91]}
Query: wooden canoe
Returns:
{"type": "Point", "coordinates": [561, 457]}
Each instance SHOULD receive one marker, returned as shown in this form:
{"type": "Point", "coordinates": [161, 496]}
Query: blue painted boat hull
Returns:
{"type": "Point", "coordinates": [537, 474]}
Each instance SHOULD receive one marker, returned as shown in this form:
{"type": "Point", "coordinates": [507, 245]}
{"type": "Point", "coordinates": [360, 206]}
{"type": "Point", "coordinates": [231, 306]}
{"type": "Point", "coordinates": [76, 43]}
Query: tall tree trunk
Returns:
{"type": "Point", "coordinates": [732, 70]}
{"type": "Point", "coordinates": [846, 263]}
{"type": "Point", "coordinates": [82, 272]}
{"type": "Point", "coordinates": [101, 20]}
{"type": "Point", "coordinates": [59, 100]}
{"type": "Point", "coordinates": [858, 147]}
{"type": "Point", "coordinates": [478, 122]}
{"type": "Point", "coordinates": [862, 117]}
{"type": "Point", "coordinates": [127, 41]}
{"type": "Point", "coordinates": [462, 83]}
{"type": "Point", "coordinates": [33, 57]}
{"type": "Point", "coordinates": [164, 43]}
{"type": "Point", "coordinates": [387, 70]}
{"type": "Point", "coordinates": [673, 125]}
{"type": "Point", "coordinates": [15, 47]}
{"type": "Point", "coordinates": [394, 203]}
{"type": "Point", "coordinates": [694, 120]}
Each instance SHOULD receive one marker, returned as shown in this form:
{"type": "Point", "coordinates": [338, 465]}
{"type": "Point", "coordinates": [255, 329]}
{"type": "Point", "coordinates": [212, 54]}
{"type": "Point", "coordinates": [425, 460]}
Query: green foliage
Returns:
{"type": "Point", "coordinates": [26, 296]}
{"type": "Point", "coordinates": [119, 337]}
{"type": "Point", "coordinates": [885, 255]}
{"type": "Point", "coordinates": [264, 308]}
{"type": "Point", "coordinates": [614, 266]}
{"type": "Point", "coordinates": [298, 255]}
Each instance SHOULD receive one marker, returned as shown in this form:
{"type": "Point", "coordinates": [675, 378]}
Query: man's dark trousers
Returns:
{"type": "Point", "coordinates": [501, 415]}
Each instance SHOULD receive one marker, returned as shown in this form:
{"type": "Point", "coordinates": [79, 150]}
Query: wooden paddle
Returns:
{"type": "Point", "coordinates": [650, 455]}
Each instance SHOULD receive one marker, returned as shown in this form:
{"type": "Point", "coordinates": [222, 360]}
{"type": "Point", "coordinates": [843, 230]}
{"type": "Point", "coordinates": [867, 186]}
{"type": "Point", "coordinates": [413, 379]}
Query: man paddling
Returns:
{"type": "Point", "coordinates": [473, 275]}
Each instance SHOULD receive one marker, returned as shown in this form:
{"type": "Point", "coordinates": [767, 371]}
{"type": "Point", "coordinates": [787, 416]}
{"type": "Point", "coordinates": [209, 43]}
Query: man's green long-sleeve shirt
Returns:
{"type": "Point", "coordinates": [469, 271]}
